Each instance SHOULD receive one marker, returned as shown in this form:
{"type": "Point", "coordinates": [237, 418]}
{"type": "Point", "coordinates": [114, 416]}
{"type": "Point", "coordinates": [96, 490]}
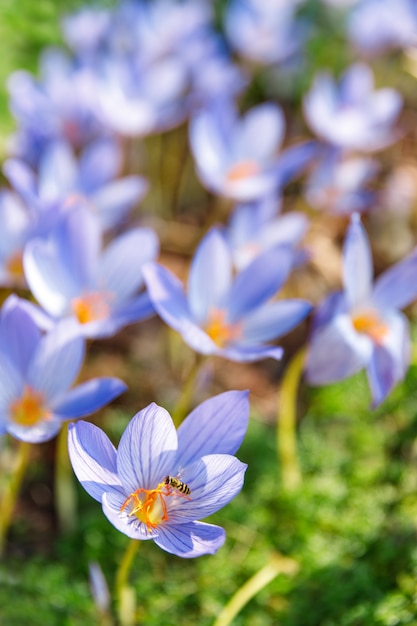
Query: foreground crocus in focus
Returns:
{"type": "Point", "coordinates": [363, 326]}
{"type": "Point", "coordinates": [160, 482]}
{"type": "Point", "coordinates": [226, 315]}
{"type": "Point", "coordinates": [36, 373]}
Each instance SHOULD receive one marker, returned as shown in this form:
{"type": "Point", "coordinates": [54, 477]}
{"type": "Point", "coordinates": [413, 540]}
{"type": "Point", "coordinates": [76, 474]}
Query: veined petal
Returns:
{"type": "Point", "coordinates": [214, 481]}
{"type": "Point", "coordinates": [210, 275]}
{"type": "Point", "coordinates": [274, 320]}
{"type": "Point", "coordinates": [357, 264]}
{"type": "Point", "coordinates": [57, 360]}
{"type": "Point", "coordinates": [216, 426]}
{"type": "Point", "coordinates": [87, 397]}
{"type": "Point", "coordinates": [259, 281]}
{"type": "Point", "coordinates": [93, 458]}
{"type": "Point", "coordinates": [190, 540]}
{"type": "Point", "coordinates": [147, 449]}
{"type": "Point", "coordinates": [397, 287]}
{"type": "Point", "coordinates": [121, 264]}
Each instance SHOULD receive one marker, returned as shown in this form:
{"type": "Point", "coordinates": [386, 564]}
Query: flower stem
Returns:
{"type": "Point", "coordinates": [125, 595]}
{"type": "Point", "coordinates": [12, 491]}
{"type": "Point", "coordinates": [183, 404]}
{"type": "Point", "coordinates": [287, 423]}
{"type": "Point", "coordinates": [278, 564]}
{"type": "Point", "coordinates": [65, 491]}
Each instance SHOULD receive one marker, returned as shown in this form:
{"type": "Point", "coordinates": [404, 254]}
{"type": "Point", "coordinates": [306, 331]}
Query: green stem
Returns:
{"type": "Point", "coordinates": [277, 565]}
{"type": "Point", "coordinates": [65, 491]}
{"type": "Point", "coordinates": [287, 423]}
{"type": "Point", "coordinates": [184, 402]}
{"type": "Point", "coordinates": [12, 490]}
{"type": "Point", "coordinates": [124, 593]}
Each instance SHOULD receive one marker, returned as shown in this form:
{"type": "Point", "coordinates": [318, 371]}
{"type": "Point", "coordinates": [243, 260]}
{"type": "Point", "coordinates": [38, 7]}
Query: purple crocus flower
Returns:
{"type": "Point", "coordinates": [160, 482]}
{"type": "Point", "coordinates": [362, 327]}
{"type": "Point", "coordinates": [375, 26]}
{"type": "Point", "coordinates": [17, 224]}
{"type": "Point", "coordinates": [352, 115]}
{"type": "Point", "coordinates": [70, 275]}
{"type": "Point", "coordinates": [257, 226]}
{"type": "Point", "coordinates": [223, 315]}
{"type": "Point", "coordinates": [338, 183]}
{"type": "Point", "coordinates": [238, 157]}
{"type": "Point", "coordinates": [62, 178]}
{"type": "Point", "coordinates": [37, 372]}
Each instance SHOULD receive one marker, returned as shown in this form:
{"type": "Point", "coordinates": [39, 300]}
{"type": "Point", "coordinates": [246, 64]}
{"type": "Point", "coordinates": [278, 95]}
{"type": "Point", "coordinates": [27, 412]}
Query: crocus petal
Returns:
{"type": "Point", "coordinates": [357, 264]}
{"type": "Point", "coordinates": [274, 320]}
{"type": "Point", "coordinates": [292, 161]}
{"type": "Point", "coordinates": [397, 287]}
{"type": "Point", "coordinates": [210, 275]}
{"type": "Point", "coordinates": [217, 425]}
{"type": "Point", "coordinates": [11, 383]}
{"type": "Point", "coordinates": [93, 458]}
{"type": "Point", "coordinates": [243, 353]}
{"type": "Point", "coordinates": [259, 281]}
{"type": "Point", "coordinates": [19, 335]}
{"type": "Point", "coordinates": [214, 480]}
{"type": "Point", "coordinates": [87, 397]}
{"type": "Point", "coordinates": [112, 503]}
{"type": "Point", "coordinates": [121, 264]}
{"type": "Point", "coordinates": [147, 449]}
{"type": "Point", "coordinates": [57, 360]}
{"type": "Point", "coordinates": [57, 171]}
{"type": "Point", "coordinates": [99, 162]}
{"type": "Point", "coordinates": [114, 200]}
{"type": "Point", "coordinates": [43, 431]}
{"type": "Point", "coordinates": [336, 352]}
{"type": "Point", "coordinates": [389, 361]}
{"type": "Point", "coordinates": [167, 295]}
{"type": "Point", "coordinates": [190, 540]}
{"type": "Point", "coordinates": [261, 132]}
{"type": "Point", "coordinates": [120, 316]}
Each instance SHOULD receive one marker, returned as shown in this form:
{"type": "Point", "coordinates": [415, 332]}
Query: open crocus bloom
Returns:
{"type": "Point", "coordinates": [160, 482]}
{"type": "Point", "coordinates": [363, 326]}
{"type": "Point", "coordinates": [226, 315]}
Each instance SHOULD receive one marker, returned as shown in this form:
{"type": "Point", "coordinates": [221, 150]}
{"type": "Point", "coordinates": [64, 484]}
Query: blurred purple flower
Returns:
{"type": "Point", "coordinates": [375, 26]}
{"type": "Point", "coordinates": [363, 327]}
{"type": "Point", "coordinates": [58, 105]}
{"type": "Point", "coordinates": [338, 183]}
{"type": "Point", "coordinates": [256, 227]}
{"type": "Point", "coordinates": [36, 372]}
{"type": "Point", "coordinates": [86, 30]}
{"type": "Point", "coordinates": [238, 157]}
{"type": "Point", "coordinates": [70, 275]}
{"type": "Point", "coordinates": [17, 225]}
{"type": "Point", "coordinates": [62, 179]}
{"type": "Point", "coordinates": [264, 32]}
{"type": "Point", "coordinates": [131, 482]}
{"type": "Point", "coordinates": [353, 115]}
{"type": "Point", "coordinates": [222, 315]}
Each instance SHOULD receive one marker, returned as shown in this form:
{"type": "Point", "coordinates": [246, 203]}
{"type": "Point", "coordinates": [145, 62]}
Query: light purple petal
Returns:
{"type": "Point", "coordinates": [57, 360]}
{"type": "Point", "coordinates": [43, 431]}
{"type": "Point", "coordinates": [210, 275]}
{"type": "Point", "coordinates": [93, 458]}
{"type": "Point", "coordinates": [243, 353]}
{"type": "Point", "coordinates": [261, 132]}
{"type": "Point", "coordinates": [191, 540]}
{"type": "Point", "coordinates": [99, 163]}
{"type": "Point", "coordinates": [114, 200]}
{"type": "Point", "coordinates": [167, 295]}
{"type": "Point", "coordinates": [259, 281]}
{"type": "Point", "coordinates": [147, 449]}
{"type": "Point", "coordinates": [57, 172]}
{"type": "Point", "coordinates": [397, 287]}
{"type": "Point", "coordinates": [274, 320]}
{"type": "Point", "coordinates": [216, 426]}
{"type": "Point", "coordinates": [122, 262]}
{"type": "Point", "coordinates": [19, 335]}
{"type": "Point", "coordinates": [87, 397]}
{"type": "Point", "coordinates": [357, 264]}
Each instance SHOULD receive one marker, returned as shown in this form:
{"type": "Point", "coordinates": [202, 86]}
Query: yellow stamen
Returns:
{"type": "Point", "coordinates": [241, 170]}
{"type": "Point", "coordinates": [369, 323]}
{"type": "Point", "coordinates": [29, 409]}
{"type": "Point", "coordinates": [149, 505]}
{"type": "Point", "coordinates": [220, 331]}
{"type": "Point", "coordinates": [14, 264]}
{"type": "Point", "coordinates": [92, 306]}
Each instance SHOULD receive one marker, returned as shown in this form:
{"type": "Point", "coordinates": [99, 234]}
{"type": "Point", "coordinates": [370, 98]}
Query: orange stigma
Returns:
{"type": "Point", "coordinates": [29, 409]}
{"type": "Point", "coordinates": [241, 170]}
{"type": "Point", "coordinates": [91, 307]}
{"type": "Point", "coordinates": [220, 331]}
{"type": "Point", "coordinates": [369, 323]}
{"type": "Point", "coordinates": [149, 505]}
{"type": "Point", "coordinates": [14, 264]}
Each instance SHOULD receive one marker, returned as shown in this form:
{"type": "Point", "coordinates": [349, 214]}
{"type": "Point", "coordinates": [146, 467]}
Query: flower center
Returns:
{"type": "Point", "coordinates": [150, 506]}
{"type": "Point", "coordinates": [29, 409]}
{"type": "Point", "coordinates": [220, 331]}
{"type": "Point", "coordinates": [91, 306]}
{"type": "Point", "coordinates": [369, 323]}
{"type": "Point", "coordinates": [14, 264]}
{"type": "Point", "coordinates": [241, 170]}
